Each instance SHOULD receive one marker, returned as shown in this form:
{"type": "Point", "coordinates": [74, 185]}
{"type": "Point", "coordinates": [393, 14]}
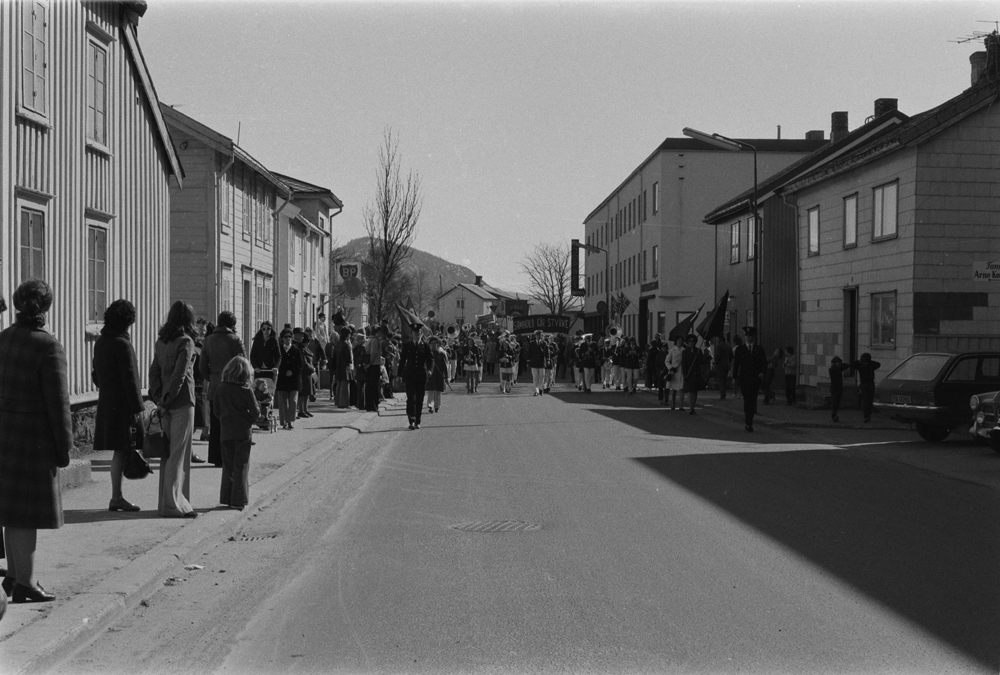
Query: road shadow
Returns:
{"type": "Point", "coordinates": [80, 516]}
{"type": "Point", "coordinates": [921, 544]}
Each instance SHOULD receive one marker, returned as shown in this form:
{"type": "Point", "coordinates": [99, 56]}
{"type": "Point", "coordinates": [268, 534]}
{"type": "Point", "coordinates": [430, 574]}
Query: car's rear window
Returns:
{"type": "Point", "coordinates": [919, 368]}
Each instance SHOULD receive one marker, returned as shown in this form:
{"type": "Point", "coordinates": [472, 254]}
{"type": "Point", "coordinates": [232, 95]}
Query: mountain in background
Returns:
{"type": "Point", "coordinates": [441, 274]}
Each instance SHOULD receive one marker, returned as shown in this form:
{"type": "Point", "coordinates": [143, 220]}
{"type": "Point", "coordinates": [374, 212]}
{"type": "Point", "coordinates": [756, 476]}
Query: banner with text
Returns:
{"type": "Point", "coordinates": [985, 271]}
{"type": "Point", "coordinates": [547, 323]}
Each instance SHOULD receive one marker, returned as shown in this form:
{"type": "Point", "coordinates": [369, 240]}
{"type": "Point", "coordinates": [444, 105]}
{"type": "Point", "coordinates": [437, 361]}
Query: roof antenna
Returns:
{"type": "Point", "coordinates": [239, 128]}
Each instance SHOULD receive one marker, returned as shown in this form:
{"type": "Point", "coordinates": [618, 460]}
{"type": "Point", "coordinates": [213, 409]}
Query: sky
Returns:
{"type": "Point", "coordinates": [521, 117]}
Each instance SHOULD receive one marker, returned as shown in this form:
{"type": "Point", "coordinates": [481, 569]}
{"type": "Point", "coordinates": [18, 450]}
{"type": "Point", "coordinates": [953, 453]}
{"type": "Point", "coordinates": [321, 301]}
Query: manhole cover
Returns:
{"type": "Point", "coordinates": [498, 526]}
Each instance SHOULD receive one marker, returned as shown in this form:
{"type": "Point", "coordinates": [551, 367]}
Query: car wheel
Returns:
{"type": "Point", "coordinates": [932, 433]}
{"type": "Point", "coordinates": [995, 444]}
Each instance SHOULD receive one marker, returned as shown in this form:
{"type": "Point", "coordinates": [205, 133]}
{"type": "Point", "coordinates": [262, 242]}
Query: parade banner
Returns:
{"type": "Point", "coordinates": [547, 323]}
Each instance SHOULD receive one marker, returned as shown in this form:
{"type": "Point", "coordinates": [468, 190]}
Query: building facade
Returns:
{"type": "Point", "coordinates": [87, 171]}
{"type": "Point", "coordinates": [223, 227]}
{"type": "Point", "coordinates": [304, 231]}
{"type": "Point", "coordinates": [897, 240]}
{"type": "Point", "coordinates": [660, 254]}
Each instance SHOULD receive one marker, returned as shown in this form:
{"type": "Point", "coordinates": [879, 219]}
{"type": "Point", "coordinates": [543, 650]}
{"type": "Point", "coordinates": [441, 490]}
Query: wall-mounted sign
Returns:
{"type": "Point", "coordinates": [985, 271]}
{"type": "Point", "coordinates": [649, 286]}
{"type": "Point", "coordinates": [547, 323]}
{"type": "Point", "coordinates": [348, 270]}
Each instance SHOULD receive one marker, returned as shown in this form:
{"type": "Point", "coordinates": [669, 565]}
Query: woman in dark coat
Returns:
{"type": "Point", "coordinates": [289, 373]}
{"type": "Point", "coordinates": [37, 436]}
{"type": "Point", "coordinates": [119, 399]}
{"type": "Point", "coordinates": [264, 351]}
{"type": "Point", "coordinates": [343, 369]}
{"type": "Point", "coordinates": [692, 359]}
{"type": "Point", "coordinates": [360, 372]}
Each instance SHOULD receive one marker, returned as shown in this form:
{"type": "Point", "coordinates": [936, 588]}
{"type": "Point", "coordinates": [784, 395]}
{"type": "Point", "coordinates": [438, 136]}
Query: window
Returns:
{"type": "Point", "coordinates": [734, 242]}
{"type": "Point", "coordinates": [291, 249]}
{"type": "Point", "coordinates": [850, 221]}
{"type": "Point", "coordinates": [645, 213]}
{"type": "Point", "coordinates": [644, 271]}
{"type": "Point", "coordinates": [247, 205]}
{"type": "Point", "coordinates": [884, 319]}
{"type": "Point", "coordinates": [225, 200]}
{"type": "Point", "coordinates": [226, 292]}
{"type": "Point", "coordinates": [97, 93]}
{"type": "Point", "coordinates": [32, 244]}
{"type": "Point", "coordinates": [656, 262]}
{"type": "Point", "coordinates": [258, 212]}
{"type": "Point", "coordinates": [813, 216]}
{"type": "Point", "coordinates": [97, 273]}
{"type": "Point", "coordinates": [656, 198]}
{"type": "Point", "coordinates": [291, 307]}
{"type": "Point", "coordinates": [884, 215]}
{"type": "Point", "coordinates": [751, 238]}
{"type": "Point", "coordinates": [34, 57]}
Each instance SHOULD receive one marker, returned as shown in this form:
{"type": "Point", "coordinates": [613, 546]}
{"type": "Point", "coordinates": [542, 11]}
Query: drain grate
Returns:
{"type": "Point", "coordinates": [498, 526]}
{"type": "Point", "coordinates": [256, 537]}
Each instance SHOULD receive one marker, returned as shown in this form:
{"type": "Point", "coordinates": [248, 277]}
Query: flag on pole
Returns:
{"type": "Point", "coordinates": [614, 306]}
{"type": "Point", "coordinates": [407, 320]}
{"type": "Point", "coordinates": [624, 301]}
{"type": "Point", "coordinates": [714, 324]}
{"type": "Point", "coordinates": [685, 326]}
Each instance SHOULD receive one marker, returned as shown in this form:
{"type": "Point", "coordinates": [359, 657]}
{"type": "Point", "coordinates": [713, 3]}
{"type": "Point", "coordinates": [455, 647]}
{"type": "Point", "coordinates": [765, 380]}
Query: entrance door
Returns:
{"type": "Point", "coordinates": [643, 321]}
{"type": "Point", "coordinates": [850, 325]}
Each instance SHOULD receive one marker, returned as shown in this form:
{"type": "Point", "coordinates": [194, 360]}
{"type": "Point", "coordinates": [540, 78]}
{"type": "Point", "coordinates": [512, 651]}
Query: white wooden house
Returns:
{"type": "Point", "coordinates": [86, 169]}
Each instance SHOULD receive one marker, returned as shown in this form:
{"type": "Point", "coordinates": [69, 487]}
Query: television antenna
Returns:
{"type": "Point", "coordinates": [978, 35]}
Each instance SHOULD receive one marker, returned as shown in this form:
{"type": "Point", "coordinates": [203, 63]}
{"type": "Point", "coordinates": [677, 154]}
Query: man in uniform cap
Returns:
{"type": "Point", "coordinates": [537, 354]}
{"type": "Point", "coordinates": [749, 365]}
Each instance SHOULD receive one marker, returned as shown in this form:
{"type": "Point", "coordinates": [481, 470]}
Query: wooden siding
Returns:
{"type": "Point", "coordinates": [124, 191]}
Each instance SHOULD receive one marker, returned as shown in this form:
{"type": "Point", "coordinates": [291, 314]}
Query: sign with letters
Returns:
{"type": "Point", "coordinates": [547, 323]}
{"type": "Point", "coordinates": [985, 271]}
{"type": "Point", "coordinates": [348, 270]}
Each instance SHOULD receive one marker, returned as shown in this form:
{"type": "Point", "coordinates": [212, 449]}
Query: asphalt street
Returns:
{"type": "Point", "coordinates": [641, 541]}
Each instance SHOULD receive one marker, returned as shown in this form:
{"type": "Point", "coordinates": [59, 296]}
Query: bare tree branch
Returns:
{"type": "Point", "coordinates": [391, 222]}
{"type": "Point", "coordinates": [548, 268]}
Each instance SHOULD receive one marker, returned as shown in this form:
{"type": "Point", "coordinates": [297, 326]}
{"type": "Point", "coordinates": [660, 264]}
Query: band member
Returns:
{"type": "Point", "coordinates": [451, 350]}
{"type": "Point", "coordinates": [550, 362]}
{"type": "Point", "coordinates": [537, 355]}
{"type": "Point", "coordinates": [749, 366]}
{"type": "Point", "coordinates": [415, 360]}
{"type": "Point", "coordinates": [472, 359]}
{"type": "Point", "coordinates": [586, 359]}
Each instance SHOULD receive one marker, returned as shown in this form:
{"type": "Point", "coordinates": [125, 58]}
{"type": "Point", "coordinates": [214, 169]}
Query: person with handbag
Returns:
{"type": "Point", "coordinates": [305, 374]}
{"type": "Point", "coordinates": [119, 398]}
{"type": "Point", "coordinates": [171, 387]}
{"type": "Point", "coordinates": [220, 347]}
{"type": "Point", "coordinates": [238, 410]}
{"type": "Point", "coordinates": [36, 440]}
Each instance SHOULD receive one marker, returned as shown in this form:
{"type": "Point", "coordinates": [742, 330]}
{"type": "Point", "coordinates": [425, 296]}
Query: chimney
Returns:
{"type": "Point", "coordinates": [884, 105]}
{"type": "Point", "coordinates": [815, 135]}
{"type": "Point", "coordinates": [479, 281]}
{"type": "Point", "coordinates": [978, 61]}
{"type": "Point", "coordinates": [838, 126]}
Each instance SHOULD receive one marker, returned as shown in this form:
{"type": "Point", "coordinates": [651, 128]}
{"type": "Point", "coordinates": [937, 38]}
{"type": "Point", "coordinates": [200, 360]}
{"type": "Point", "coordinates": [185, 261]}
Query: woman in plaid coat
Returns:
{"type": "Point", "coordinates": [37, 436]}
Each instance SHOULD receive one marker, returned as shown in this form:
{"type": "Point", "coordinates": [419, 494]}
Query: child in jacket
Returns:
{"type": "Point", "coordinates": [238, 410]}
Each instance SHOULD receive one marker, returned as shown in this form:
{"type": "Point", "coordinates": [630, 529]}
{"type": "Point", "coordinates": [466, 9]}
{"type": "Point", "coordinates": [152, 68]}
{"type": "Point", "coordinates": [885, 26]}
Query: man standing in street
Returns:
{"type": "Point", "coordinates": [749, 365]}
{"type": "Point", "coordinates": [866, 383]}
{"type": "Point", "coordinates": [722, 359]}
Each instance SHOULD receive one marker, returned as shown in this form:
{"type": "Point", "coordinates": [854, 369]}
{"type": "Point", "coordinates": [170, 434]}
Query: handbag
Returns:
{"type": "Point", "coordinates": [135, 466]}
{"type": "Point", "coordinates": [155, 442]}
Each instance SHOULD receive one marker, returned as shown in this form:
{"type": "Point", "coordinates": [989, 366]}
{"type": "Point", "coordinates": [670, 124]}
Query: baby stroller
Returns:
{"type": "Point", "coordinates": [263, 391]}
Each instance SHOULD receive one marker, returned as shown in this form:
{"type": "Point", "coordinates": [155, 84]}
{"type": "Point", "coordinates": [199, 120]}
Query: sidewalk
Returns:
{"type": "Point", "coordinates": [102, 563]}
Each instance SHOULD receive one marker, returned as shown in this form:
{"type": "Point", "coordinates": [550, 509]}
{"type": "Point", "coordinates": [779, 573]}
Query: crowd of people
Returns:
{"type": "Point", "coordinates": [201, 378]}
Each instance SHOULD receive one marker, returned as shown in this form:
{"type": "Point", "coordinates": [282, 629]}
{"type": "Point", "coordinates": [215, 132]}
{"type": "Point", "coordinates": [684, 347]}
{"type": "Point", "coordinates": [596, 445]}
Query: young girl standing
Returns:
{"type": "Point", "coordinates": [238, 411]}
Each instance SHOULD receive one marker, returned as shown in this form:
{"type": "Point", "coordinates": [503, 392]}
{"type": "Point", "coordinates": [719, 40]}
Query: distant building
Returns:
{"type": "Point", "coordinates": [897, 239]}
{"type": "Point", "coordinates": [661, 255]}
{"type": "Point", "coordinates": [304, 232]}
{"type": "Point", "coordinates": [464, 303]}
{"type": "Point", "coordinates": [87, 170]}
{"type": "Point", "coordinates": [222, 248]}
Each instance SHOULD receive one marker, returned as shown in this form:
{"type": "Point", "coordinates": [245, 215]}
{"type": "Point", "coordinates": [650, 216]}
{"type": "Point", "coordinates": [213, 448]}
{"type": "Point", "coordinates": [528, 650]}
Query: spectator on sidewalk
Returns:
{"type": "Point", "coordinates": [264, 351]}
{"type": "Point", "coordinates": [238, 410]}
{"type": "Point", "coordinates": [171, 387]}
{"type": "Point", "coordinates": [436, 379]}
{"type": "Point", "coordinates": [306, 374]}
{"type": "Point", "coordinates": [866, 383]}
{"type": "Point", "coordinates": [289, 374]}
{"type": "Point", "coordinates": [837, 368]}
{"type": "Point", "coordinates": [119, 399]}
{"type": "Point", "coordinates": [342, 369]}
{"type": "Point", "coordinates": [37, 437]}
{"type": "Point", "coordinates": [220, 347]}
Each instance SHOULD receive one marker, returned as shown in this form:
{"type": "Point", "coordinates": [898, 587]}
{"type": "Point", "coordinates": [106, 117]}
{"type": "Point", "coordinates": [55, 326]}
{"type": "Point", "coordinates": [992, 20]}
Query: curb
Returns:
{"type": "Point", "coordinates": [42, 644]}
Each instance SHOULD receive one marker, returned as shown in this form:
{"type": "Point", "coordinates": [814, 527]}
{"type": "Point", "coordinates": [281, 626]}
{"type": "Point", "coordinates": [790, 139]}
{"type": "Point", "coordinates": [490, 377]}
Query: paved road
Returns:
{"type": "Point", "coordinates": [664, 543]}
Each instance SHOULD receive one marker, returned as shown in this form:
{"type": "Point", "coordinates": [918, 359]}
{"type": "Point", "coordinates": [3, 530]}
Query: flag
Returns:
{"type": "Point", "coordinates": [714, 324]}
{"type": "Point", "coordinates": [614, 306]}
{"type": "Point", "coordinates": [408, 319]}
{"type": "Point", "coordinates": [623, 301]}
{"type": "Point", "coordinates": [685, 326]}
{"type": "Point", "coordinates": [409, 304]}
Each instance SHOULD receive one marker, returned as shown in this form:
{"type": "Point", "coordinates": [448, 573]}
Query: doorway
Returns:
{"type": "Point", "coordinates": [643, 321]}
{"type": "Point", "coordinates": [850, 354]}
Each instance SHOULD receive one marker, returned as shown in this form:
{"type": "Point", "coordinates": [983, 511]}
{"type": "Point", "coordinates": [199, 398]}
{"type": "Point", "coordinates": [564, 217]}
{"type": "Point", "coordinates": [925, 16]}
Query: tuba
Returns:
{"type": "Point", "coordinates": [613, 331]}
{"type": "Point", "coordinates": [452, 331]}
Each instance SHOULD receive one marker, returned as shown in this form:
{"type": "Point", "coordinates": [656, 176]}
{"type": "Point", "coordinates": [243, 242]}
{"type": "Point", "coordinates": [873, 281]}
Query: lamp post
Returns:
{"type": "Point", "coordinates": [733, 145]}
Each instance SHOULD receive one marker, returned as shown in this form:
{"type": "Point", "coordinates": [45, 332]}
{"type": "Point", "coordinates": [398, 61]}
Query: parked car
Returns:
{"type": "Point", "coordinates": [932, 390]}
{"type": "Point", "coordinates": [985, 420]}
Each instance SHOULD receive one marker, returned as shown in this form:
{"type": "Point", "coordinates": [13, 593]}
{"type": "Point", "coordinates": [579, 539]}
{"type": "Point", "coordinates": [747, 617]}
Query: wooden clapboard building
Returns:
{"type": "Point", "coordinates": [86, 166]}
{"type": "Point", "coordinates": [222, 251]}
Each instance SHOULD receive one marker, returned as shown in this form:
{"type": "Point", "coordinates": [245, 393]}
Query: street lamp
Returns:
{"type": "Point", "coordinates": [733, 145]}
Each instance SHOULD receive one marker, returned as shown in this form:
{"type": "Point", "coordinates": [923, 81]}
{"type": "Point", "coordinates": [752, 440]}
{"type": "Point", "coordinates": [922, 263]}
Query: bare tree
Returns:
{"type": "Point", "coordinates": [421, 290]}
{"type": "Point", "coordinates": [391, 222]}
{"type": "Point", "coordinates": [548, 267]}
